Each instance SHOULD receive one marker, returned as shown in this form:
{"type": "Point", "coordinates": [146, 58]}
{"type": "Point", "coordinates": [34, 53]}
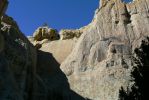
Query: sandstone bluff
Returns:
{"type": "Point", "coordinates": [105, 60]}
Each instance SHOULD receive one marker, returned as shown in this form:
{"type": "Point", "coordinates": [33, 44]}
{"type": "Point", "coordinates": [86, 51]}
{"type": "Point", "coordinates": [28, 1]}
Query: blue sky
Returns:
{"type": "Point", "coordinates": [58, 14]}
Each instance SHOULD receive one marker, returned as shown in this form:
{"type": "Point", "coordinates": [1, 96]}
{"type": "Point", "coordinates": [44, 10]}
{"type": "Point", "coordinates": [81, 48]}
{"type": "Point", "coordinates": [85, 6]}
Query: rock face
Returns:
{"type": "Point", "coordinates": [17, 63]}
{"type": "Point", "coordinates": [3, 6]}
{"type": "Point", "coordinates": [59, 49]}
{"type": "Point", "coordinates": [104, 60]}
{"type": "Point", "coordinates": [109, 60]}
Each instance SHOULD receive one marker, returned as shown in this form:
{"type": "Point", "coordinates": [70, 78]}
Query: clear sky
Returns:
{"type": "Point", "coordinates": [58, 14]}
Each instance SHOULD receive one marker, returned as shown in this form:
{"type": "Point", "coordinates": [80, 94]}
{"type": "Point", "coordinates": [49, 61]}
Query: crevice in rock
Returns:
{"type": "Point", "coordinates": [127, 15]}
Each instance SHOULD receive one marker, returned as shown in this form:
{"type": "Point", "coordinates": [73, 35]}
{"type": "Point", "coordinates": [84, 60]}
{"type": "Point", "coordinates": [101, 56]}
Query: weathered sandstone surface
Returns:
{"type": "Point", "coordinates": [106, 56]}
{"type": "Point", "coordinates": [45, 33]}
{"type": "Point", "coordinates": [105, 60]}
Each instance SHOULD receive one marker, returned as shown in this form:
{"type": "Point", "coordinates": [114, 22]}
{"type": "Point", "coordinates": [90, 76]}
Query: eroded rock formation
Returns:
{"type": "Point", "coordinates": [45, 33]}
{"type": "Point", "coordinates": [108, 60]}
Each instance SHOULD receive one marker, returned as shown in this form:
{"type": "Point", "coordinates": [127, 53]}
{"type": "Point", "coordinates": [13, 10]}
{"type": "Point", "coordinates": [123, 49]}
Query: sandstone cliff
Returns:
{"type": "Point", "coordinates": [105, 60]}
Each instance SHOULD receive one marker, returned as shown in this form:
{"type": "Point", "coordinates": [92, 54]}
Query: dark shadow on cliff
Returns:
{"type": "Point", "coordinates": [140, 74]}
{"type": "Point", "coordinates": [52, 84]}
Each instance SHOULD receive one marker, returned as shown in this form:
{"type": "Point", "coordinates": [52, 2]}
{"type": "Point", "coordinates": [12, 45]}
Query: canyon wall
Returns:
{"type": "Point", "coordinates": [105, 60]}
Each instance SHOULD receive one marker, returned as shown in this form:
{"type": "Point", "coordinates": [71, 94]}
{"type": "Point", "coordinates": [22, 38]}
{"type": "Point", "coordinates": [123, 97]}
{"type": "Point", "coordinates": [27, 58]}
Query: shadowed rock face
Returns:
{"type": "Point", "coordinates": [27, 73]}
{"type": "Point", "coordinates": [3, 6]}
{"type": "Point", "coordinates": [17, 64]}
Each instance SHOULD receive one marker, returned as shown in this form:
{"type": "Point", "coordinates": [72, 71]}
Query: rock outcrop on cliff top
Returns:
{"type": "Point", "coordinates": [105, 60]}
{"type": "Point", "coordinates": [45, 33]}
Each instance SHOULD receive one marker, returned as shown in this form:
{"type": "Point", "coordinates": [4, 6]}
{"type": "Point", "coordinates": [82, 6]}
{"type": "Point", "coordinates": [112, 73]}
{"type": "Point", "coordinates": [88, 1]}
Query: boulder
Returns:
{"type": "Point", "coordinates": [45, 33]}
{"type": "Point", "coordinates": [70, 34]}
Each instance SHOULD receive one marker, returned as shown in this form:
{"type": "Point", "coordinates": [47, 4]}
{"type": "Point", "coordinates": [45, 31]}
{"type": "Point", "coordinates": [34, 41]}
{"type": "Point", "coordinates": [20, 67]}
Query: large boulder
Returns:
{"type": "Point", "coordinates": [45, 33]}
{"type": "Point", "coordinates": [70, 34]}
{"type": "Point", "coordinates": [67, 34]}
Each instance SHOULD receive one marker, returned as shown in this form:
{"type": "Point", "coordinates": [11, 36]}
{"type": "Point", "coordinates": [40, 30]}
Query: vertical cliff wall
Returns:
{"type": "Point", "coordinates": [102, 62]}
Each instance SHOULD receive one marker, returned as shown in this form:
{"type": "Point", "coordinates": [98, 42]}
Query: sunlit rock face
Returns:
{"type": "Point", "coordinates": [103, 61]}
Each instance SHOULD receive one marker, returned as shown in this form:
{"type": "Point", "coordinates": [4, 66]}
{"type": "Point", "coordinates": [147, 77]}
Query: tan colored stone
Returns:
{"type": "Point", "coordinates": [102, 61]}
{"type": "Point", "coordinates": [45, 33]}
{"type": "Point", "coordinates": [70, 34]}
{"type": "Point", "coordinates": [60, 49]}
{"type": "Point", "coordinates": [109, 61]}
